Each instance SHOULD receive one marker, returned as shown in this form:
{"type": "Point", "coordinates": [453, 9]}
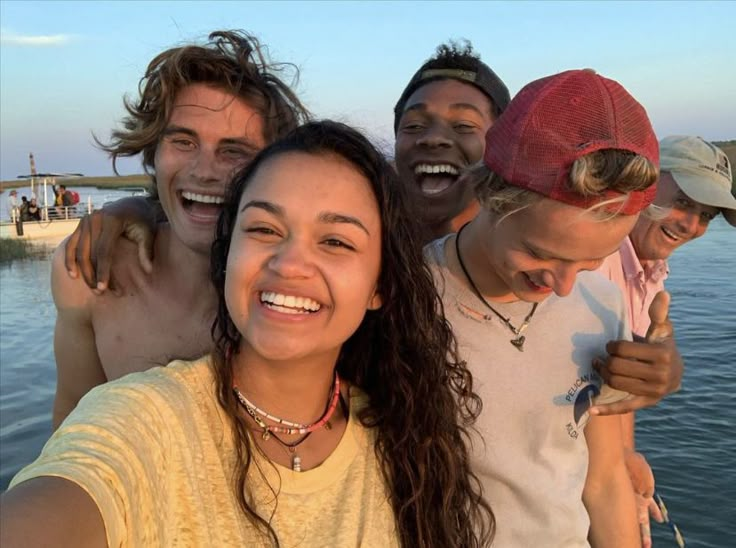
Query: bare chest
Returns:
{"type": "Point", "coordinates": [137, 332]}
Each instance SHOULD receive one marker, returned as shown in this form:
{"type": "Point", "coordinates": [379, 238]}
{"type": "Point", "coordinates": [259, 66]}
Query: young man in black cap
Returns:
{"type": "Point", "coordinates": [440, 122]}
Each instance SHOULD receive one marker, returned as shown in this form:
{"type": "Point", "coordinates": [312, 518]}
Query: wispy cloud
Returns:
{"type": "Point", "coordinates": [40, 40]}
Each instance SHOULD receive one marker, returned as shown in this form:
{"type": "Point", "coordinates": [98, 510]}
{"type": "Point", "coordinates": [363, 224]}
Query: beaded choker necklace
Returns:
{"type": "Point", "coordinates": [292, 428]}
{"type": "Point", "coordinates": [519, 340]}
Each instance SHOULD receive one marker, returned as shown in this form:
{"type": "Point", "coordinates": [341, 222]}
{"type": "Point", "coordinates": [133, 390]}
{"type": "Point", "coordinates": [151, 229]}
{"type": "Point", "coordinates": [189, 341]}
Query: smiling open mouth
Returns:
{"type": "Point", "coordinates": [535, 286]}
{"type": "Point", "coordinates": [202, 205]}
{"type": "Point", "coordinates": [435, 178]}
{"type": "Point", "coordinates": [289, 304]}
{"type": "Point", "coordinates": [671, 235]}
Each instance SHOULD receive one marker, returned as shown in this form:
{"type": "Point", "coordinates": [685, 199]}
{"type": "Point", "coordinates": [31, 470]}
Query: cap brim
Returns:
{"type": "Point", "coordinates": [708, 194]}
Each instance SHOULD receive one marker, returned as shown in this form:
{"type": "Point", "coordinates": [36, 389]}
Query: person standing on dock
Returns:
{"type": "Point", "coordinates": [12, 205]}
{"type": "Point", "coordinates": [203, 113]}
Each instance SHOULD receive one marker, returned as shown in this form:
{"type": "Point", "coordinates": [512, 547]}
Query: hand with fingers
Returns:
{"type": "Point", "coordinates": [89, 249]}
{"type": "Point", "coordinates": [642, 479]}
{"type": "Point", "coordinates": [648, 370]}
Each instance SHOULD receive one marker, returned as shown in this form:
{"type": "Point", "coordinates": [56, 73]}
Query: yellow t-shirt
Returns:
{"type": "Point", "coordinates": [155, 452]}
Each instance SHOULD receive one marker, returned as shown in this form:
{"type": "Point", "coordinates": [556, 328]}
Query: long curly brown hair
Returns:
{"type": "Point", "coordinates": [232, 61]}
{"type": "Point", "coordinates": [403, 356]}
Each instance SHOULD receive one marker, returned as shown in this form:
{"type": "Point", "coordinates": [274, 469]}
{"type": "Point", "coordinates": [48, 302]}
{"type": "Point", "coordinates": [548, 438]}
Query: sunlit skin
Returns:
{"type": "Point", "coordinates": [167, 311]}
{"type": "Point", "coordinates": [444, 124]}
{"type": "Point", "coordinates": [686, 221]}
{"type": "Point", "coordinates": [210, 135]}
{"type": "Point", "coordinates": [308, 227]}
{"type": "Point", "coordinates": [539, 250]}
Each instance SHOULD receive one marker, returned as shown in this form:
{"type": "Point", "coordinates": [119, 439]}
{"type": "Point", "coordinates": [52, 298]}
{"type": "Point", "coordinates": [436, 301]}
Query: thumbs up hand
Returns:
{"type": "Point", "coordinates": [661, 327]}
{"type": "Point", "coordinates": [648, 369]}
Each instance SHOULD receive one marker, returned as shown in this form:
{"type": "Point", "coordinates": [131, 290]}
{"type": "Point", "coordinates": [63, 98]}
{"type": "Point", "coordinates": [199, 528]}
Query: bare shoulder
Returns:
{"type": "Point", "coordinates": [73, 294]}
{"type": "Point", "coordinates": [68, 293]}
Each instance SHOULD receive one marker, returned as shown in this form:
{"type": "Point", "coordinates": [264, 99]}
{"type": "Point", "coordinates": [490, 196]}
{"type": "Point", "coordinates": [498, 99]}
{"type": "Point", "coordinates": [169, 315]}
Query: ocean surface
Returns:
{"type": "Point", "coordinates": [689, 439]}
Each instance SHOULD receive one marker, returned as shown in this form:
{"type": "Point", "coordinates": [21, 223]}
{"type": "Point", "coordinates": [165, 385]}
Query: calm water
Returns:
{"type": "Point", "coordinates": [690, 439]}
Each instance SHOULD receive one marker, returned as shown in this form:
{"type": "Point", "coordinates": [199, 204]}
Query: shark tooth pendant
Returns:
{"type": "Point", "coordinates": [519, 343]}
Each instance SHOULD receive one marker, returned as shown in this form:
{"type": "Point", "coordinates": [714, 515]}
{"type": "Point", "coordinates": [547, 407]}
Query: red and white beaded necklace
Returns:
{"type": "Point", "coordinates": [290, 428]}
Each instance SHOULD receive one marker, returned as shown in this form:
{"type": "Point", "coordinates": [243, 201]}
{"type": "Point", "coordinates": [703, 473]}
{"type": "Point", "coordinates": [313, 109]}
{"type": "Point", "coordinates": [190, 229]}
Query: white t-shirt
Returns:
{"type": "Point", "coordinates": [531, 456]}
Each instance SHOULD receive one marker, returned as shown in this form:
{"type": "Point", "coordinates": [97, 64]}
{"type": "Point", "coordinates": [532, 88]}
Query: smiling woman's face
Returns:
{"type": "Point", "coordinates": [441, 131]}
{"type": "Point", "coordinates": [304, 257]}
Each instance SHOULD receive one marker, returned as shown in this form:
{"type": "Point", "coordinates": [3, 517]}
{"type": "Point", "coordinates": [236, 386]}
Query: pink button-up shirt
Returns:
{"type": "Point", "coordinates": [638, 284]}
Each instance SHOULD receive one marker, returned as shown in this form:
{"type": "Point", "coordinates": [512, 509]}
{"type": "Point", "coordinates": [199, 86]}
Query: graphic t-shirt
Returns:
{"type": "Point", "coordinates": [531, 455]}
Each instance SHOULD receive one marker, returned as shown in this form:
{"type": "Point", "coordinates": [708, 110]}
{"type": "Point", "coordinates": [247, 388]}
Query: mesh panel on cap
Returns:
{"type": "Point", "coordinates": [636, 132]}
{"type": "Point", "coordinates": [556, 120]}
{"type": "Point", "coordinates": [571, 117]}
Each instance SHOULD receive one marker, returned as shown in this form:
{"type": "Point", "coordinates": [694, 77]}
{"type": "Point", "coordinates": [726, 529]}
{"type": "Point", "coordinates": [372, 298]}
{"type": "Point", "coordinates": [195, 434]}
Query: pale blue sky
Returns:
{"type": "Point", "coordinates": [64, 66]}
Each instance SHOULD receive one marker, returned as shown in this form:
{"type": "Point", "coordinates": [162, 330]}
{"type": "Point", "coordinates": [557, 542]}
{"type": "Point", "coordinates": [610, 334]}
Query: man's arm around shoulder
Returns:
{"type": "Point", "coordinates": [78, 366]}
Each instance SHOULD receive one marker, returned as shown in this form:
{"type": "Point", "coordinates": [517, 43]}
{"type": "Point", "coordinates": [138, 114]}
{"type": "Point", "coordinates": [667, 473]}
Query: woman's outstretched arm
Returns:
{"type": "Point", "coordinates": [49, 511]}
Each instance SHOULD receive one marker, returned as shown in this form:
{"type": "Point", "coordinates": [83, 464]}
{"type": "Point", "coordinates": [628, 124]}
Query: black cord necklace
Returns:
{"type": "Point", "coordinates": [296, 461]}
{"type": "Point", "coordinates": [518, 342]}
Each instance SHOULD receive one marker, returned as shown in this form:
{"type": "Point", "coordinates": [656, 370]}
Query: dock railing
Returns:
{"type": "Point", "coordinates": [52, 212]}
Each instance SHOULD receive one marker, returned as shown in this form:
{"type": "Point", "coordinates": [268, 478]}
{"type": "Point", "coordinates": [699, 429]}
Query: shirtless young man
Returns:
{"type": "Point", "coordinates": [204, 112]}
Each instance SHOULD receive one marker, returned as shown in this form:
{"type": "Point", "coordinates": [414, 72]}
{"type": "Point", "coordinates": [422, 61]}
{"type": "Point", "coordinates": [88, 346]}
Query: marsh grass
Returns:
{"type": "Point", "coordinates": [12, 249]}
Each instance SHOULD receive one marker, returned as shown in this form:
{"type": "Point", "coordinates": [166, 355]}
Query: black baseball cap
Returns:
{"type": "Point", "coordinates": [482, 77]}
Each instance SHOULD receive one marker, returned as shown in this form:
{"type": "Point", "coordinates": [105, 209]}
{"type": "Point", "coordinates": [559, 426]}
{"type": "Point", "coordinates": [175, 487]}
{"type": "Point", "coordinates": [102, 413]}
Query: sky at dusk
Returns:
{"type": "Point", "coordinates": [64, 66]}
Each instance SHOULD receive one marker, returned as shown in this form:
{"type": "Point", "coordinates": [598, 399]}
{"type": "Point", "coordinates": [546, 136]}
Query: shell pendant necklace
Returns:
{"type": "Point", "coordinates": [519, 340]}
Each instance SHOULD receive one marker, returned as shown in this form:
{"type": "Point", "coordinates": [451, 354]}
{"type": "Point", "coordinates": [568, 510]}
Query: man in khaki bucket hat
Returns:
{"type": "Point", "coordinates": [702, 171]}
{"type": "Point", "coordinates": [695, 185]}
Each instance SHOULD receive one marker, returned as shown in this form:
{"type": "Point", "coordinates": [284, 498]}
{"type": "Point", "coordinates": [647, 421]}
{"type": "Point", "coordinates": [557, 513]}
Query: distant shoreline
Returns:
{"type": "Point", "coordinates": [143, 180]}
{"type": "Point", "coordinates": [112, 182]}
